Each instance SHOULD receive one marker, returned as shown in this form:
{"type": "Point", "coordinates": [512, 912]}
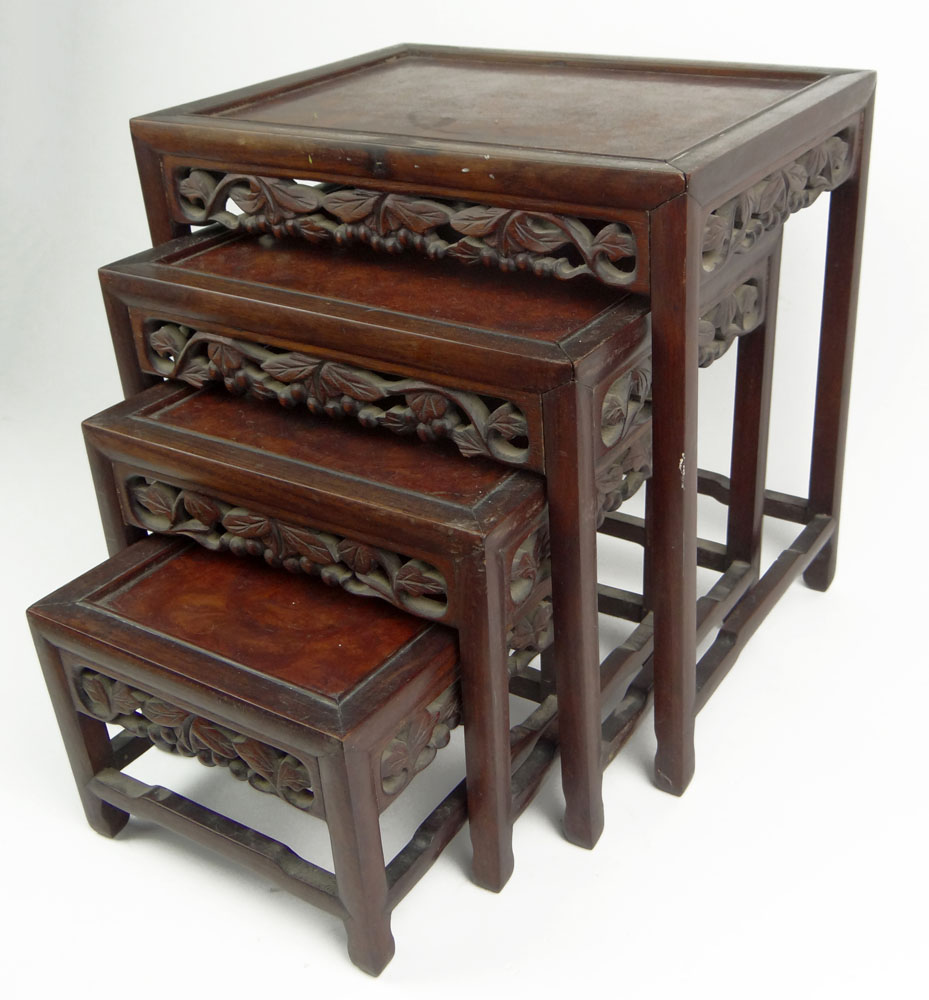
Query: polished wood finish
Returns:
{"type": "Point", "coordinates": [163, 639]}
{"type": "Point", "coordinates": [436, 536]}
{"type": "Point", "coordinates": [695, 166]}
{"type": "Point", "coordinates": [443, 329]}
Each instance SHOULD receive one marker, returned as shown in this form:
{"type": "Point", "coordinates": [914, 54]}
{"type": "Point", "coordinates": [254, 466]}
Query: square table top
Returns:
{"type": "Point", "coordinates": [459, 121]}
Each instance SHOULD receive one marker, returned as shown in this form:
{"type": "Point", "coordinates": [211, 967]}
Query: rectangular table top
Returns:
{"type": "Point", "coordinates": [466, 120]}
{"type": "Point", "coordinates": [288, 645]}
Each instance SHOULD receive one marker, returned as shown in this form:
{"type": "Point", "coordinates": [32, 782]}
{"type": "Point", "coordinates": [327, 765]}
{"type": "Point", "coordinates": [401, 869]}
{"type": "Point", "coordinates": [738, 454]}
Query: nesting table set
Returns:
{"type": "Point", "coordinates": [413, 457]}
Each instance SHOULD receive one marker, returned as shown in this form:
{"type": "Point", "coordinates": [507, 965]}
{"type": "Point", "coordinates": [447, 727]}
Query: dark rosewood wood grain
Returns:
{"type": "Point", "coordinates": [477, 330]}
{"type": "Point", "coordinates": [837, 337]}
{"type": "Point", "coordinates": [699, 164]}
{"type": "Point", "coordinates": [463, 542]}
{"type": "Point", "coordinates": [132, 643]}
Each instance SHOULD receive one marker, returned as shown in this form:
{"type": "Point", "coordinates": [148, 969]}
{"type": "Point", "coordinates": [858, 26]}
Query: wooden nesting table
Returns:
{"type": "Point", "coordinates": [669, 180]}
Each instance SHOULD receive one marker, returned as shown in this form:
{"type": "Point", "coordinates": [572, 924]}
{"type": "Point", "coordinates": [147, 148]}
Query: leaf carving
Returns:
{"type": "Point", "coordinates": [291, 774]}
{"type": "Point", "coordinates": [316, 547]}
{"type": "Point", "coordinates": [508, 422]}
{"type": "Point", "coordinates": [204, 509]}
{"type": "Point", "coordinates": [531, 631]}
{"type": "Point", "coordinates": [160, 712]}
{"type": "Point", "coordinates": [614, 243]}
{"type": "Point", "coordinates": [250, 199]}
{"type": "Point", "coordinates": [359, 558]}
{"type": "Point", "coordinates": [773, 194]}
{"type": "Point", "coordinates": [336, 380]}
{"type": "Point", "coordinates": [195, 372]}
{"type": "Point", "coordinates": [469, 441]}
{"type": "Point", "coordinates": [291, 367]}
{"type": "Point", "coordinates": [260, 758]}
{"type": "Point", "coordinates": [716, 233]}
{"type": "Point", "coordinates": [478, 220]}
{"type": "Point", "coordinates": [352, 204]}
{"type": "Point", "coordinates": [419, 580]}
{"type": "Point", "coordinates": [245, 524]}
{"type": "Point", "coordinates": [97, 694]}
{"type": "Point", "coordinates": [155, 498]}
{"type": "Point", "coordinates": [213, 738]}
{"type": "Point", "coordinates": [614, 412]}
{"type": "Point", "coordinates": [167, 341]}
{"type": "Point", "coordinates": [123, 699]}
{"type": "Point", "coordinates": [536, 233]}
{"type": "Point", "coordinates": [227, 359]}
{"type": "Point", "coordinates": [417, 214]}
{"type": "Point", "coordinates": [293, 197]}
{"type": "Point", "coordinates": [198, 186]}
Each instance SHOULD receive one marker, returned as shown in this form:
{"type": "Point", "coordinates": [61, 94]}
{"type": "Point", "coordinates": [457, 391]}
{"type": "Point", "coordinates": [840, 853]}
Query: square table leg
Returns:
{"type": "Point", "coordinates": [751, 418]}
{"type": "Point", "coordinates": [572, 510]}
{"type": "Point", "coordinates": [837, 335]}
{"type": "Point", "coordinates": [672, 571]}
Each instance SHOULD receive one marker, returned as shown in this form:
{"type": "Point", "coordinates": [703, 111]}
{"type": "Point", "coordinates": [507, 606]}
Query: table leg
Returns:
{"type": "Point", "coordinates": [86, 740]}
{"type": "Point", "coordinates": [572, 505]}
{"type": "Point", "coordinates": [837, 335]}
{"type": "Point", "coordinates": [672, 536]}
{"type": "Point", "coordinates": [486, 717]}
{"type": "Point", "coordinates": [751, 415]}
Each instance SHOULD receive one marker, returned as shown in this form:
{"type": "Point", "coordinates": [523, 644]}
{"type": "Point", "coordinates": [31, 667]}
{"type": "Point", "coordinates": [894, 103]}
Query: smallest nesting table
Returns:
{"type": "Point", "coordinates": [303, 691]}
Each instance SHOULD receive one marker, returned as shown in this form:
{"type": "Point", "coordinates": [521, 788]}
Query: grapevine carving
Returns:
{"type": "Point", "coordinates": [179, 731]}
{"type": "Point", "coordinates": [532, 633]}
{"type": "Point", "coordinates": [414, 747]}
{"type": "Point", "coordinates": [531, 563]}
{"type": "Point", "coordinates": [511, 240]}
{"type": "Point", "coordinates": [740, 312]}
{"type": "Point", "coordinates": [619, 477]}
{"type": "Point", "coordinates": [735, 227]}
{"type": "Point", "coordinates": [365, 570]}
{"type": "Point", "coordinates": [626, 404]}
{"type": "Point", "coordinates": [477, 425]}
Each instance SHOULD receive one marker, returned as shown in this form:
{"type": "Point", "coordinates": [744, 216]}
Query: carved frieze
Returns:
{"type": "Point", "coordinates": [626, 404]}
{"type": "Point", "coordinates": [736, 226]}
{"type": "Point", "coordinates": [532, 632]}
{"type": "Point", "coordinates": [541, 242]}
{"type": "Point", "coordinates": [179, 731]}
{"type": "Point", "coordinates": [531, 563]}
{"type": "Point", "coordinates": [360, 569]}
{"type": "Point", "coordinates": [620, 476]}
{"type": "Point", "coordinates": [414, 747]}
{"type": "Point", "coordinates": [476, 424]}
{"type": "Point", "coordinates": [740, 312]}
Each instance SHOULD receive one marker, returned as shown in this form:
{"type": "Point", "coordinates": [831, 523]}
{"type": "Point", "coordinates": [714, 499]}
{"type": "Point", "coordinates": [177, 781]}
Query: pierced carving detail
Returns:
{"type": "Point", "coordinates": [410, 584]}
{"type": "Point", "coordinates": [619, 478]}
{"type": "Point", "coordinates": [532, 632]}
{"type": "Point", "coordinates": [740, 312]}
{"type": "Point", "coordinates": [414, 747]}
{"type": "Point", "coordinates": [541, 242]}
{"type": "Point", "coordinates": [477, 425]}
{"type": "Point", "coordinates": [735, 227]}
{"type": "Point", "coordinates": [626, 404]}
{"type": "Point", "coordinates": [531, 563]}
{"type": "Point", "coordinates": [179, 731]}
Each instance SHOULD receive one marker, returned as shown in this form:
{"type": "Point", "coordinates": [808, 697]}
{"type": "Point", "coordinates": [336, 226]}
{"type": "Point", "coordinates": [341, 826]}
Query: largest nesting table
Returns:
{"type": "Point", "coordinates": [667, 180]}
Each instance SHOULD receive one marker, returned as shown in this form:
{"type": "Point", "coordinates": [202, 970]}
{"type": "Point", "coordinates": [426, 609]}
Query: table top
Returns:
{"type": "Point", "coordinates": [648, 115]}
{"type": "Point", "coordinates": [292, 646]}
{"type": "Point", "coordinates": [478, 324]}
{"type": "Point", "coordinates": [507, 123]}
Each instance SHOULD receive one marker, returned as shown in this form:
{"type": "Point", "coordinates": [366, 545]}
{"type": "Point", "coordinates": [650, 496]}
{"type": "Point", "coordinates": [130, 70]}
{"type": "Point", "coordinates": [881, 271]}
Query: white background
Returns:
{"type": "Point", "coordinates": [795, 864]}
